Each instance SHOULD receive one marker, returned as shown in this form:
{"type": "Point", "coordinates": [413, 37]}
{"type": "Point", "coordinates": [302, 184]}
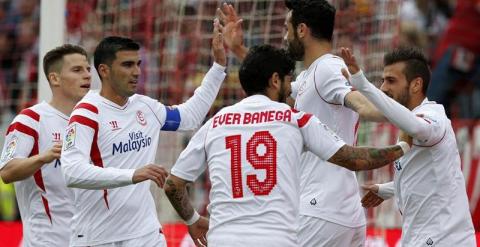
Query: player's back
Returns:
{"type": "Point", "coordinates": [328, 192]}
{"type": "Point", "coordinates": [253, 150]}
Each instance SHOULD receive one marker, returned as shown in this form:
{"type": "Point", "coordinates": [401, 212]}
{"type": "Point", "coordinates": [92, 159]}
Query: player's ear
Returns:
{"type": "Point", "coordinates": [54, 79]}
{"type": "Point", "coordinates": [274, 81]}
{"type": "Point", "coordinates": [302, 30]}
{"type": "Point", "coordinates": [416, 85]}
{"type": "Point", "coordinates": [103, 70]}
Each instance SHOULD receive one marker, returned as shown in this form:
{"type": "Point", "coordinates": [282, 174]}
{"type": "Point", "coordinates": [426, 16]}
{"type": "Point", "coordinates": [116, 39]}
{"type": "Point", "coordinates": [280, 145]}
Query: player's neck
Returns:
{"type": "Point", "coordinates": [109, 93]}
{"type": "Point", "coordinates": [63, 104]}
{"type": "Point", "coordinates": [314, 50]}
{"type": "Point", "coordinates": [415, 101]}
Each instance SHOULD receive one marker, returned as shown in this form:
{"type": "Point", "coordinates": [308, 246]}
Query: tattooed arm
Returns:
{"type": "Point", "coordinates": [176, 191]}
{"type": "Point", "coordinates": [366, 158]}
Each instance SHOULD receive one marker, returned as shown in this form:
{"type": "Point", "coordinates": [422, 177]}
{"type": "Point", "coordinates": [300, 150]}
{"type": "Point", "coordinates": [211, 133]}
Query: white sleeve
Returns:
{"type": "Point", "coordinates": [19, 141]}
{"type": "Point", "coordinates": [330, 84]}
{"type": "Point", "coordinates": [193, 111]}
{"type": "Point", "coordinates": [80, 166]}
{"type": "Point", "coordinates": [295, 85]}
{"type": "Point", "coordinates": [386, 190]}
{"type": "Point", "coordinates": [193, 161]}
{"type": "Point", "coordinates": [317, 137]}
{"type": "Point", "coordinates": [427, 130]}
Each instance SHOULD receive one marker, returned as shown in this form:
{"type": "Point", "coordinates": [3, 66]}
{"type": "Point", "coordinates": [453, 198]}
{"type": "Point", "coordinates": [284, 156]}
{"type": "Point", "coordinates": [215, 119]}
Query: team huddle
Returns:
{"type": "Point", "coordinates": [281, 161]}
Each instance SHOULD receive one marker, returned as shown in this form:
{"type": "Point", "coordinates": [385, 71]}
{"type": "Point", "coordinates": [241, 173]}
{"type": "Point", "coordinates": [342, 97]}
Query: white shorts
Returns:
{"type": "Point", "coordinates": [153, 239]}
{"type": "Point", "coordinates": [316, 232]}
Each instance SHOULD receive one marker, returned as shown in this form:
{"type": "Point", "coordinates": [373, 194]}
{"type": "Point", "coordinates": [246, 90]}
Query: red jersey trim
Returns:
{"type": "Point", "coordinates": [304, 120]}
{"type": "Point", "coordinates": [30, 113]}
{"type": "Point", "coordinates": [87, 106]}
{"type": "Point", "coordinates": [95, 154]}
{"type": "Point", "coordinates": [37, 176]}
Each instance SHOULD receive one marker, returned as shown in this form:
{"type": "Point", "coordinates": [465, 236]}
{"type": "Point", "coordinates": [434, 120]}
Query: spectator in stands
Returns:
{"type": "Point", "coordinates": [457, 57]}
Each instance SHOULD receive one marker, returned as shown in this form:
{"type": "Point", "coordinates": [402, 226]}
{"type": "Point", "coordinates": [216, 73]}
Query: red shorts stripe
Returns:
{"type": "Point", "coordinates": [87, 106]}
{"type": "Point", "coordinates": [304, 120]}
{"type": "Point", "coordinates": [30, 113]}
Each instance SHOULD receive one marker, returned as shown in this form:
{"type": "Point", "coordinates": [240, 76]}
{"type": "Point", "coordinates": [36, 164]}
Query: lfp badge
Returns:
{"type": "Point", "coordinates": [70, 137]}
{"type": "Point", "coordinates": [10, 150]}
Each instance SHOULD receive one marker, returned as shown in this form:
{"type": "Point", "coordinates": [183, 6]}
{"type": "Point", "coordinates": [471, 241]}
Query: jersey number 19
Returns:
{"type": "Point", "coordinates": [266, 161]}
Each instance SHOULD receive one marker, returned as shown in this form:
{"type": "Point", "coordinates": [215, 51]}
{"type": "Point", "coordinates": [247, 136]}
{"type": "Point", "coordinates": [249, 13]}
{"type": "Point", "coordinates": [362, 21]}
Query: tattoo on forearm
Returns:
{"type": "Point", "coordinates": [179, 199]}
{"type": "Point", "coordinates": [366, 158]}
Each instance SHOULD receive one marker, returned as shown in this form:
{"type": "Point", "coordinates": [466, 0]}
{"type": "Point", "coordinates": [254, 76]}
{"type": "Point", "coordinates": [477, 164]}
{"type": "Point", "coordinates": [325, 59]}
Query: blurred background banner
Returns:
{"type": "Point", "coordinates": [175, 36]}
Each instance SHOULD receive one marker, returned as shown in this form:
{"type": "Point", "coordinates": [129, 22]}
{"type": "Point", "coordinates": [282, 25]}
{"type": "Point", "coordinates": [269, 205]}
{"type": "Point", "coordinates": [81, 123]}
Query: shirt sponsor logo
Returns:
{"type": "Point", "coordinates": [136, 141]}
{"type": "Point", "coordinates": [70, 137]}
{"type": "Point", "coordinates": [141, 118]}
{"type": "Point", "coordinates": [10, 150]}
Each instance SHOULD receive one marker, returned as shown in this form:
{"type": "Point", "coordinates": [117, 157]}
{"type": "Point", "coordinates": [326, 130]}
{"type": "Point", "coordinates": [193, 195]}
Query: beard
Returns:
{"type": "Point", "coordinates": [283, 93]}
{"type": "Point", "coordinates": [296, 49]}
{"type": "Point", "coordinates": [403, 98]}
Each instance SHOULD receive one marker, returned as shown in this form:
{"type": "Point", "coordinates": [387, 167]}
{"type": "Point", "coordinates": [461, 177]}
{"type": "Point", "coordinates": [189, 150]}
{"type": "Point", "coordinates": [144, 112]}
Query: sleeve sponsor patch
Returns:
{"type": "Point", "coordinates": [10, 149]}
{"type": "Point", "coordinates": [70, 137]}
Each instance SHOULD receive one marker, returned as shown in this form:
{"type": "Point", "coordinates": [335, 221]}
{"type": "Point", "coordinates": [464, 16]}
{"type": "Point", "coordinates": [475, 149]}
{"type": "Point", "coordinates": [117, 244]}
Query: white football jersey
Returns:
{"type": "Point", "coordinates": [252, 150]}
{"type": "Point", "coordinates": [44, 200]}
{"type": "Point", "coordinates": [328, 191]}
{"type": "Point", "coordinates": [104, 144]}
{"type": "Point", "coordinates": [430, 187]}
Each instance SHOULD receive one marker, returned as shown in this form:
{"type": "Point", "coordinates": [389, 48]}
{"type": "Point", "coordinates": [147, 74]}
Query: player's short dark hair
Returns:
{"type": "Point", "coordinates": [260, 64]}
{"type": "Point", "coordinates": [416, 64]}
{"type": "Point", "coordinates": [107, 49]}
{"type": "Point", "coordinates": [53, 60]}
{"type": "Point", "coordinates": [318, 15]}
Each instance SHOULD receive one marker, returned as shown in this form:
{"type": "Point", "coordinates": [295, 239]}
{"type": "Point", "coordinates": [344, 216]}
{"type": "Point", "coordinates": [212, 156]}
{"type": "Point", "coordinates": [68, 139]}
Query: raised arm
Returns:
{"type": "Point", "coordinates": [366, 110]}
{"type": "Point", "coordinates": [194, 110]}
{"type": "Point", "coordinates": [396, 113]}
{"type": "Point", "coordinates": [232, 30]}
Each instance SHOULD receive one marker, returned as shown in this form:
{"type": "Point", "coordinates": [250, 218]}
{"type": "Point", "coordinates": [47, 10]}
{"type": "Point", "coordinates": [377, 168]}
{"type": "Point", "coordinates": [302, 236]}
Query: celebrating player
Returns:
{"type": "Point", "coordinates": [31, 154]}
{"type": "Point", "coordinates": [429, 186]}
{"type": "Point", "coordinates": [330, 209]}
{"type": "Point", "coordinates": [111, 142]}
{"type": "Point", "coordinates": [252, 150]}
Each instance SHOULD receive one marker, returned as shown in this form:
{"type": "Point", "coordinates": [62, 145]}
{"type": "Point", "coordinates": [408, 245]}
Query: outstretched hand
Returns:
{"type": "Point", "coordinates": [232, 29]}
{"type": "Point", "coordinates": [350, 61]}
{"type": "Point", "coordinates": [218, 50]}
{"type": "Point", "coordinates": [198, 232]}
{"type": "Point", "coordinates": [371, 199]}
{"type": "Point", "coordinates": [156, 173]}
